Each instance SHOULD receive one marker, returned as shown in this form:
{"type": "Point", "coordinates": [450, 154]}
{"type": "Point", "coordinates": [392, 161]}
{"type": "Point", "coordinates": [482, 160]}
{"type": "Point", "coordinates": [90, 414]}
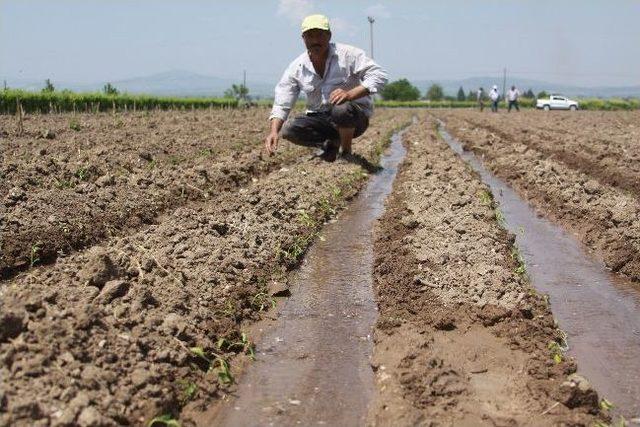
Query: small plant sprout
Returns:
{"type": "Point", "coordinates": [220, 363]}
{"type": "Point", "coordinates": [34, 255]}
{"type": "Point", "coordinates": [262, 301]}
{"type": "Point", "coordinates": [556, 351]}
{"type": "Point", "coordinates": [164, 421]}
{"type": "Point", "coordinates": [521, 267]}
{"type": "Point", "coordinates": [486, 198]}
{"type": "Point", "coordinates": [500, 217]}
{"type": "Point", "coordinates": [74, 124]}
{"type": "Point", "coordinates": [189, 390]}
{"type": "Point", "coordinates": [606, 405]}
{"type": "Point", "coordinates": [81, 173]}
{"type": "Point", "coordinates": [244, 345]}
{"type": "Point", "coordinates": [305, 219]}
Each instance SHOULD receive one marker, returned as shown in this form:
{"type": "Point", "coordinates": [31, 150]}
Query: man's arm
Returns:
{"type": "Point", "coordinates": [271, 141]}
{"type": "Point", "coordinates": [339, 96]}
{"type": "Point", "coordinates": [286, 95]}
{"type": "Point", "coordinates": [372, 76]}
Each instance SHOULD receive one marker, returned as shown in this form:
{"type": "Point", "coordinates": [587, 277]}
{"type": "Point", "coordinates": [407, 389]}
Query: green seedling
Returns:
{"type": "Point", "coordinates": [521, 267]}
{"type": "Point", "coordinates": [262, 301]}
{"type": "Point", "coordinates": [606, 405]}
{"type": "Point", "coordinates": [74, 125]}
{"type": "Point", "coordinates": [189, 390]}
{"type": "Point", "coordinates": [220, 363]}
{"type": "Point", "coordinates": [63, 183]}
{"type": "Point", "coordinates": [325, 207]}
{"type": "Point", "coordinates": [244, 345]}
{"type": "Point", "coordinates": [556, 351]}
{"type": "Point", "coordinates": [205, 152]}
{"type": "Point", "coordinates": [486, 198]}
{"type": "Point", "coordinates": [620, 422]}
{"type": "Point", "coordinates": [305, 219]}
{"type": "Point", "coordinates": [33, 256]}
{"type": "Point", "coordinates": [500, 217]}
{"type": "Point", "coordinates": [152, 164]}
{"type": "Point", "coordinates": [81, 173]}
{"type": "Point", "coordinates": [164, 421]}
{"type": "Point", "coordinates": [336, 192]}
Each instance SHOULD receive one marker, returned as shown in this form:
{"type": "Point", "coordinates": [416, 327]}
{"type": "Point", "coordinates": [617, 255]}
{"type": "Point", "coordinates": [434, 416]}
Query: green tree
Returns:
{"type": "Point", "coordinates": [529, 94]}
{"type": "Point", "coordinates": [109, 89]}
{"type": "Point", "coordinates": [48, 87]}
{"type": "Point", "coordinates": [543, 94]}
{"type": "Point", "coordinates": [471, 96]}
{"type": "Point", "coordinates": [435, 93]}
{"type": "Point", "coordinates": [461, 96]}
{"type": "Point", "coordinates": [237, 92]}
{"type": "Point", "coordinates": [400, 90]}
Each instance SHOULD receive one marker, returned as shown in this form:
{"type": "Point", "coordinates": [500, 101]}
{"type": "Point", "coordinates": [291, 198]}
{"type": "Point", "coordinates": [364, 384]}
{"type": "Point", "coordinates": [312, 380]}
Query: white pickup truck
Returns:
{"type": "Point", "coordinates": [557, 102]}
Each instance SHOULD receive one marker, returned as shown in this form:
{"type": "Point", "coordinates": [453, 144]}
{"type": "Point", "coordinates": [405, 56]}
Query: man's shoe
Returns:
{"type": "Point", "coordinates": [330, 148]}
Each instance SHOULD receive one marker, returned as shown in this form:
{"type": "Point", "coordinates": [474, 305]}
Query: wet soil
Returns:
{"type": "Point", "coordinates": [580, 169]}
{"type": "Point", "coordinates": [131, 328]}
{"type": "Point", "coordinates": [595, 308]}
{"type": "Point", "coordinates": [314, 364]}
{"type": "Point", "coordinates": [462, 337]}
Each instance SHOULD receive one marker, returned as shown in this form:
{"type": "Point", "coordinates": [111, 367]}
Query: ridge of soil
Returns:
{"type": "Point", "coordinates": [131, 328]}
{"type": "Point", "coordinates": [70, 189]}
{"type": "Point", "coordinates": [585, 176]}
{"type": "Point", "coordinates": [462, 338]}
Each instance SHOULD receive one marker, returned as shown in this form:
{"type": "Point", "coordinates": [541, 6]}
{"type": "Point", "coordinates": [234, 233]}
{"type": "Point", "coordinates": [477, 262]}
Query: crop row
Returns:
{"type": "Point", "coordinates": [47, 102]}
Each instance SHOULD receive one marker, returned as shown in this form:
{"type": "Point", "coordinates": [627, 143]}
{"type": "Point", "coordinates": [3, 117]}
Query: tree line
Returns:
{"type": "Point", "coordinates": [403, 90]}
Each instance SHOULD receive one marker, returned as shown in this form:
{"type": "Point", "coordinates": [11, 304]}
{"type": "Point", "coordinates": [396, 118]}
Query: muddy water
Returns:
{"type": "Point", "coordinates": [599, 311]}
{"type": "Point", "coordinates": [313, 365]}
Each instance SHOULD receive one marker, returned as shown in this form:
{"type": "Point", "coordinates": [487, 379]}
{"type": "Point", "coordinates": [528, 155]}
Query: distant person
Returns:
{"type": "Point", "coordinates": [494, 95]}
{"type": "Point", "coordinates": [512, 97]}
{"type": "Point", "coordinates": [338, 80]}
{"type": "Point", "coordinates": [480, 98]}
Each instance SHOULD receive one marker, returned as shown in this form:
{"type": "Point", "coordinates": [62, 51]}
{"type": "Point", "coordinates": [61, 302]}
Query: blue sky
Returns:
{"type": "Point", "coordinates": [574, 42]}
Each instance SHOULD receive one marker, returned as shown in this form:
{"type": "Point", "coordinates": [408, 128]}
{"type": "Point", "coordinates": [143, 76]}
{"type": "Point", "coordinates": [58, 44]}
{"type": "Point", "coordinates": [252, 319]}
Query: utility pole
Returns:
{"type": "Point", "coordinates": [244, 83]}
{"type": "Point", "coordinates": [504, 84]}
{"type": "Point", "coordinates": [371, 21]}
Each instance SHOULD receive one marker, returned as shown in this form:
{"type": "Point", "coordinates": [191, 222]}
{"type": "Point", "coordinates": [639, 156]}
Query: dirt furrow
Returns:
{"type": "Point", "coordinates": [605, 217]}
{"type": "Point", "coordinates": [117, 174]}
{"type": "Point", "coordinates": [462, 338]}
{"type": "Point", "coordinates": [144, 325]}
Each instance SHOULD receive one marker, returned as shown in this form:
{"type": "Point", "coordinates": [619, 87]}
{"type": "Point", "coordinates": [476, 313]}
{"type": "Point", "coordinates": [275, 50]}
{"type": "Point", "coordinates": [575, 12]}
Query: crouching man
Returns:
{"type": "Point", "coordinates": [338, 81]}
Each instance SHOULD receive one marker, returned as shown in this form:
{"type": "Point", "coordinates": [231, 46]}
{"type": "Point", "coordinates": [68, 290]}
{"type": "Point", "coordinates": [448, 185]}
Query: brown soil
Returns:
{"type": "Point", "coordinates": [64, 189]}
{"type": "Point", "coordinates": [580, 169]}
{"type": "Point", "coordinates": [103, 336]}
{"type": "Point", "coordinates": [462, 338]}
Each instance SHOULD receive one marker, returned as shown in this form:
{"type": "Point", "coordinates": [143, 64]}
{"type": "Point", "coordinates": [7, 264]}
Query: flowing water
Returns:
{"type": "Point", "coordinates": [600, 312]}
{"type": "Point", "coordinates": [313, 365]}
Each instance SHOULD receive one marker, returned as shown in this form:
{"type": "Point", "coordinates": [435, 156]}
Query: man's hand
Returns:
{"type": "Point", "coordinates": [271, 142]}
{"type": "Point", "coordinates": [339, 96]}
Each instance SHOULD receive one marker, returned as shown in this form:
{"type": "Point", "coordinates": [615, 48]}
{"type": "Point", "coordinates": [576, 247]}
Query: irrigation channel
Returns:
{"type": "Point", "coordinates": [598, 311]}
{"type": "Point", "coordinates": [313, 365]}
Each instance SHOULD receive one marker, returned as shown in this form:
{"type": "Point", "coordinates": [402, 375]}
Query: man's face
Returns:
{"type": "Point", "coordinates": [316, 41]}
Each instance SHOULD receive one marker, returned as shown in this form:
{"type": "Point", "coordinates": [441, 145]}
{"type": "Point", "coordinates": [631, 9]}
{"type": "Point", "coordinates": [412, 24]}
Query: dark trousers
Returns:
{"type": "Point", "coordinates": [481, 105]}
{"type": "Point", "coordinates": [313, 129]}
{"type": "Point", "coordinates": [494, 106]}
{"type": "Point", "coordinates": [514, 103]}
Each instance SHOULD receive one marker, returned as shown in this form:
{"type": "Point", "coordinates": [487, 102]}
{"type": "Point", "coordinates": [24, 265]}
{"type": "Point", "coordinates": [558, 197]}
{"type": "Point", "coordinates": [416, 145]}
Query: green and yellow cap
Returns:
{"type": "Point", "coordinates": [313, 22]}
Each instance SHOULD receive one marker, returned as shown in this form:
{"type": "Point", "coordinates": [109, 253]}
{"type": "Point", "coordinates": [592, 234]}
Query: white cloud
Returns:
{"type": "Point", "coordinates": [295, 10]}
{"type": "Point", "coordinates": [378, 11]}
{"type": "Point", "coordinates": [341, 26]}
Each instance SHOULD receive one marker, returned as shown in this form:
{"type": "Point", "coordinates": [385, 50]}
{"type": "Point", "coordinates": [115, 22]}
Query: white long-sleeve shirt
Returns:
{"type": "Point", "coordinates": [513, 94]}
{"type": "Point", "coordinates": [494, 95]}
{"type": "Point", "coordinates": [346, 68]}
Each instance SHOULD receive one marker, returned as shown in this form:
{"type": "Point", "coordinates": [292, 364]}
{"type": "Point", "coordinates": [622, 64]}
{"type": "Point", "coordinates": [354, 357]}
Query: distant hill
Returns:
{"type": "Point", "coordinates": [187, 83]}
{"type": "Point", "coordinates": [473, 83]}
{"type": "Point", "coordinates": [170, 83]}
